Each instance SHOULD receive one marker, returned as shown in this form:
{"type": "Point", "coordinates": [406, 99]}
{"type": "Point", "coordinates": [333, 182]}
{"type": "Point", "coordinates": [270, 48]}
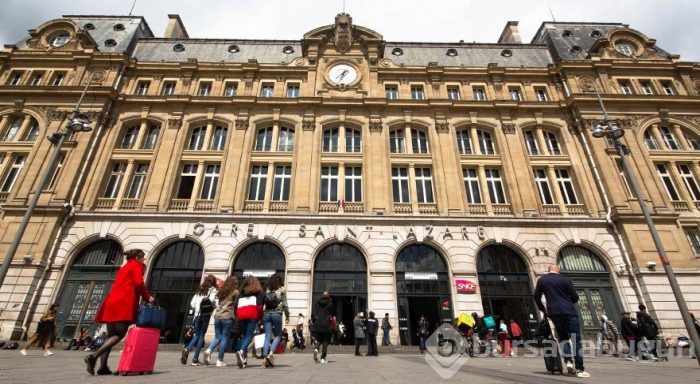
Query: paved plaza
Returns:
{"type": "Point", "coordinates": [68, 367]}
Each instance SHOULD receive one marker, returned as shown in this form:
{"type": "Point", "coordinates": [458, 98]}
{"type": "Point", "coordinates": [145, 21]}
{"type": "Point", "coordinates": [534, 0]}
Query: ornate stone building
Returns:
{"type": "Point", "coordinates": [403, 177]}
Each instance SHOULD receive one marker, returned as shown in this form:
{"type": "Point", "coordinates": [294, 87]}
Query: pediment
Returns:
{"type": "Point", "coordinates": [77, 39]}
{"type": "Point", "coordinates": [640, 46]}
{"type": "Point", "coordinates": [343, 35]}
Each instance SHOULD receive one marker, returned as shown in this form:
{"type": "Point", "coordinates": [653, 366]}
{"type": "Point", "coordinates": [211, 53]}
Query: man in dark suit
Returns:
{"type": "Point", "coordinates": [561, 308]}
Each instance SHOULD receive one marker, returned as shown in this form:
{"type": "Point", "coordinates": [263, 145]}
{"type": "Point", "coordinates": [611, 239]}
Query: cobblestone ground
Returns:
{"type": "Point", "coordinates": [68, 367]}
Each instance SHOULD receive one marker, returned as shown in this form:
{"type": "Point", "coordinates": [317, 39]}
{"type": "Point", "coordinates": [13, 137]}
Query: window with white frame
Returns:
{"type": "Point", "coordinates": [330, 140]}
{"type": "Point", "coordinates": [59, 39]}
{"type": "Point", "coordinates": [138, 181]}
{"type": "Point", "coordinates": [399, 184]}
{"type": "Point", "coordinates": [552, 143]}
{"type": "Point", "coordinates": [263, 139]}
{"type": "Point", "coordinates": [625, 87]}
{"type": "Point", "coordinates": [37, 77]}
{"type": "Point", "coordinates": [495, 185]}
{"type": "Point", "coordinates": [531, 143]}
{"type": "Point", "coordinates": [647, 89]}
{"type": "Point", "coordinates": [293, 90]}
{"type": "Point", "coordinates": [689, 180]}
{"type": "Point", "coordinates": [151, 137]}
{"type": "Point", "coordinates": [258, 183]}
{"type": "Point", "coordinates": [56, 172]}
{"type": "Point", "coordinates": [142, 88]}
{"type": "Point", "coordinates": [329, 184]}
{"type": "Point", "coordinates": [218, 138]}
{"type": "Point", "coordinates": [649, 140]}
{"type": "Point", "coordinates": [168, 88]}
{"type": "Point", "coordinates": [187, 180]}
{"type": "Point", "coordinates": [566, 186]}
{"type": "Point", "coordinates": [667, 86]}
{"type": "Point", "coordinates": [397, 141]}
{"type": "Point", "coordinates": [267, 90]}
{"type": "Point", "coordinates": [479, 93]}
{"type": "Point", "coordinates": [285, 140]}
{"type": "Point", "coordinates": [541, 94]}
{"type": "Point", "coordinates": [353, 140]}
{"type": "Point", "coordinates": [424, 185]}
{"type": "Point", "coordinates": [417, 92]}
{"type": "Point", "coordinates": [693, 141]}
{"type": "Point", "coordinates": [515, 94]}
{"type": "Point", "coordinates": [391, 92]}
{"type": "Point", "coordinates": [667, 181]}
{"type": "Point", "coordinates": [485, 142]}
{"type": "Point", "coordinates": [129, 138]}
{"type": "Point", "coordinates": [204, 88]}
{"type": "Point", "coordinates": [210, 182]}
{"type": "Point", "coordinates": [13, 173]}
{"type": "Point", "coordinates": [419, 141]}
{"type": "Point", "coordinates": [57, 79]}
{"type": "Point", "coordinates": [13, 129]}
{"type": "Point", "coordinates": [453, 93]}
{"type": "Point", "coordinates": [693, 236]}
{"type": "Point", "coordinates": [197, 136]}
{"type": "Point", "coordinates": [116, 177]}
{"type": "Point", "coordinates": [15, 78]}
{"type": "Point", "coordinates": [472, 185]}
{"type": "Point", "coordinates": [464, 142]}
{"type": "Point", "coordinates": [669, 138]}
{"type": "Point", "coordinates": [542, 182]}
{"type": "Point", "coordinates": [353, 184]}
{"type": "Point", "coordinates": [282, 183]}
{"type": "Point", "coordinates": [230, 88]}
{"type": "Point", "coordinates": [32, 131]}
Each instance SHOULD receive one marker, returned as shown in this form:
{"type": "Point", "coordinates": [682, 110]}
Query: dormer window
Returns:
{"type": "Point", "coordinates": [397, 51]}
{"type": "Point", "coordinates": [626, 48]}
{"type": "Point", "coordinates": [452, 52]}
{"type": "Point", "coordinates": [59, 39]}
{"type": "Point", "coordinates": [287, 50]}
{"type": "Point", "coordinates": [119, 27]}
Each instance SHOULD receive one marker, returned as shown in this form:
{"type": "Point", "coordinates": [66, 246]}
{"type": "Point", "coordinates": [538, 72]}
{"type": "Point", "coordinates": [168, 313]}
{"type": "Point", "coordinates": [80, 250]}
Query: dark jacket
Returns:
{"type": "Point", "coordinates": [647, 325]}
{"type": "Point", "coordinates": [321, 315]}
{"type": "Point", "coordinates": [423, 328]}
{"type": "Point", "coordinates": [359, 327]}
{"type": "Point", "coordinates": [560, 293]}
{"type": "Point", "coordinates": [372, 327]}
{"type": "Point", "coordinates": [385, 323]}
{"type": "Point", "coordinates": [629, 329]}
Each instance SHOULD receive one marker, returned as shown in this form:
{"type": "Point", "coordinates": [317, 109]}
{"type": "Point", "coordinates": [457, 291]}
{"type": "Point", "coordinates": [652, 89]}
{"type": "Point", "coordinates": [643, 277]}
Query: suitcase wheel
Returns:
{"type": "Point", "coordinates": [150, 372]}
{"type": "Point", "coordinates": [123, 373]}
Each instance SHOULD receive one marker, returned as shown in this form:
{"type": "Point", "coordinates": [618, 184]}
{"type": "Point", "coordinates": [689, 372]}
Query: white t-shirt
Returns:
{"type": "Point", "coordinates": [503, 328]}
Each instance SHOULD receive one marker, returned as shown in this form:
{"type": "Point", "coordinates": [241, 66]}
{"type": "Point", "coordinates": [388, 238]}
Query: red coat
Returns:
{"type": "Point", "coordinates": [122, 302]}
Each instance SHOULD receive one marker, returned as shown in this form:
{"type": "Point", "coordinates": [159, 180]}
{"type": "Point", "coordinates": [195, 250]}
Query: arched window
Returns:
{"type": "Point", "coordinates": [330, 140]}
{"type": "Point", "coordinates": [129, 138]}
{"type": "Point", "coordinates": [32, 132]}
{"type": "Point", "coordinates": [649, 140]}
{"type": "Point", "coordinates": [692, 139]}
{"type": "Point", "coordinates": [285, 142]}
{"type": "Point", "coordinates": [218, 140]}
{"type": "Point", "coordinates": [260, 259]}
{"type": "Point", "coordinates": [500, 259]}
{"type": "Point", "coordinates": [353, 140]}
{"type": "Point", "coordinates": [263, 139]}
{"type": "Point", "coordinates": [419, 141]}
{"type": "Point", "coordinates": [151, 136]}
{"type": "Point", "coordinates": [531, 142]}
{"type": "Point", "coordinates": [196, 142]}
{"type": "Point", "coordinates": [579, 259]}
{"type": "Point", "coordinates": [397, 141]}
{"type": "Point", "coordinates": [464, 142]}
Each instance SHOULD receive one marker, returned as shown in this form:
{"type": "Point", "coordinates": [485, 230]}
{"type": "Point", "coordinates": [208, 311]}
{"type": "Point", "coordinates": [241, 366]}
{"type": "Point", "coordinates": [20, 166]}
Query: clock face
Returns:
{"type": "Point", "coordinates": [342, 74]}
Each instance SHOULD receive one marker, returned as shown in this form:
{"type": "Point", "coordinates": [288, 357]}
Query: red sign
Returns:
{"type": "Point", "coordinates": [465, 286]}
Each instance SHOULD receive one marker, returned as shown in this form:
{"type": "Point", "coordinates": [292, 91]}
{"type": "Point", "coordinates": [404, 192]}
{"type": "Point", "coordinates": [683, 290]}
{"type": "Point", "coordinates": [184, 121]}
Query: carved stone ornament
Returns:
{"type": "Point", "coordinates": [174, 123]}
{"type": "Point", "coordinates": [385, 63]}
{"type": "Point", "coordinates": [375, 126]}
{"type": "Point", "coordinates": [508, 127]}
{"type": "Point", "coordinates": [586, 84]}
{"type": "Point", "coordinates": [19, 105]}
{"type": "Point", "coordinates": [442, 127]}
{"type": "Point", "coordinates": [241, 124]}
{"type": "Point", "coordinates": [98, 77]}
{"type": "Point", "coordinates": [691, 118]}
{"type": "Point", "coordinates": [343, 32]}
{"type": "Point", "coordinates": [308, 125]}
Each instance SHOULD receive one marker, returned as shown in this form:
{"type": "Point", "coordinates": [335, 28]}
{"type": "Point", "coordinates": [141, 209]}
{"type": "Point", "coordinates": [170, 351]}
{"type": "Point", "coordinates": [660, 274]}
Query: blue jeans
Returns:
{"type": "Point", "coordinates": [273, 324]}
{"type": "Point", "coordinates": [201, 323]}
{"type": "Point", "coordinates": [422, 342]}
{"type": "Point", "coordinates": [385, 338]}
{"type": "Point", "coordinates": [248, 328]}
{"type": "Point", "coordinates": [567, 327]}
{"type": "Point", "coordinates": [222, 330]}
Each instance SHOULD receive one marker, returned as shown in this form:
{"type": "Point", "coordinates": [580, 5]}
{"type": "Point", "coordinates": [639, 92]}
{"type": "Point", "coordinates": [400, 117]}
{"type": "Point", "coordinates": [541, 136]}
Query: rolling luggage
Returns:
{"type": "Point", "coordinates": [552, 357]}
{"type": "Point", "coordinates": [139, 354]}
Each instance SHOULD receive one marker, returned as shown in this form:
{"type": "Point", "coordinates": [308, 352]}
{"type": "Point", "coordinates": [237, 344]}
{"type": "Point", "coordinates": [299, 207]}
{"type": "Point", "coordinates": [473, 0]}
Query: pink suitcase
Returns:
{"type": "Point", "coordinates": [140, 348]}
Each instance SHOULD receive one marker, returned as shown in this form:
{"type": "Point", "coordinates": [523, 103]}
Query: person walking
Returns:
{"type": "Point", "coordinates": [561, 308]}
{"type": "Point", "coordinates": [248, 313]}
{"type": "Point", "coordinates": [649, 330]}
{"type": "Point", "coordinates": [45, 332]}
{"type": "Point", "coordinates": [516, 332]}
{"type": "Point", "coordinates": [118, 309]}
{"type": "Point", "coordinates": [202, 304]}
{"type": "Point", "coordinates": [630, 332]}
{"type": "Point", "coordinates": [609, 335]}
{"type": "Point", "coordinates": [695, 322]}
{"type": "Point", "coordinates": [386, 327]}
{"type": "Point", "coordinates": [300, 330]}
{"type": "Point", "coordinates": [359, 327]}
{"type": "Point", "coordinates": [224, 316]}
{"type": "Point", "coordinates": [371, 331]}
{"type": "Point", "coordinates": [504, 339]}
{"type": "Point", "coordinates": [321, 315]}
{"type": "Point", "coordinates": [423, 332]}
{"type": "Point", "coordinates": [274, 305]}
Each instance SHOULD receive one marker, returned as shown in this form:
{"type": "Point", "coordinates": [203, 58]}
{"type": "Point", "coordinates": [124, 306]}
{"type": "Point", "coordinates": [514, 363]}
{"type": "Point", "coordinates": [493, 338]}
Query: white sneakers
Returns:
{"type": "Point", "coordinates": [240, 360]}
{"type": "Point", "coordinates": [323, 361]}
{"type": "Point", "coordinates": [23, 352]}
{"type": "Point", "coordinates": [48, 353]}
{"type": "Point", "coordinates": [220, 363]}
{"type": "Point", "coordinates": [570, 367]}
{"type": "Point", "coordinates": [207, 356]}
{"type": "Point", "coordinates": [316, 355]}
{"type": "Point", "coordinates": [583, 374]}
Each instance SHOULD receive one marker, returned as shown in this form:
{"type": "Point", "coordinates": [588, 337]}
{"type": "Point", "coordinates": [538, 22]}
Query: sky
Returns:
{"type": "Point", "coordinates": [673, 23]}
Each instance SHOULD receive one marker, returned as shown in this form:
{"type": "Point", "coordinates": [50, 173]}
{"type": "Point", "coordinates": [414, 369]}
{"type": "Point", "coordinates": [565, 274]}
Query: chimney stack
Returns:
{"type": "Point", "coordinates": [175, 28]}
{"type": "Point", "coordinates": [510, 34]}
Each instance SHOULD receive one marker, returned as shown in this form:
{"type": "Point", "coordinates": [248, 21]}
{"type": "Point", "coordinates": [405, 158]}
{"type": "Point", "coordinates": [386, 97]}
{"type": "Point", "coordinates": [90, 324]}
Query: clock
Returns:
{"type": "Point", "coordinates": [342, 74]}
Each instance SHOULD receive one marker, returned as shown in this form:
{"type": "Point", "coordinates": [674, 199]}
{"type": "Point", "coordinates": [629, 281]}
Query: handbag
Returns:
{"type": "Point", "coordinates": [151, 316]}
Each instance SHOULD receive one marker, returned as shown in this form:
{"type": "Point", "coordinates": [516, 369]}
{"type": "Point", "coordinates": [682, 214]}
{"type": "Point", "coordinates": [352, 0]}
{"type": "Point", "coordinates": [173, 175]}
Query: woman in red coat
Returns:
{"type": "Point", "coordinates": [118, 310]}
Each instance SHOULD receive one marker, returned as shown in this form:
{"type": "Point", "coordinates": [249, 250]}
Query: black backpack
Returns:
{"type": "Point", "coordinates": [206, 307]}
{"type": "Point", "coordinates": [271, 300]}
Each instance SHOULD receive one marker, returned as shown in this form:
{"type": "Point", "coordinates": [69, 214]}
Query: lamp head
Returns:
{"type": "Point", "coordinates": [599, 131]}
{"type": "Point", "coordinates": [616, 132]}
{"type": "Point", "coordinates": [79, 123]}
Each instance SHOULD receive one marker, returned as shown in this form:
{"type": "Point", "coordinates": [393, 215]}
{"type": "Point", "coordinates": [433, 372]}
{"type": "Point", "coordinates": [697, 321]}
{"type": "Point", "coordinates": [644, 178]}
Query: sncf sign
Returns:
{"type": "Point", "coordinates": [465, 286]}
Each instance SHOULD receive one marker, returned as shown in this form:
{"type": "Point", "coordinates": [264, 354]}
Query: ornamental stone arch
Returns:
{"type": "Point", "coordinates": [77, 38]}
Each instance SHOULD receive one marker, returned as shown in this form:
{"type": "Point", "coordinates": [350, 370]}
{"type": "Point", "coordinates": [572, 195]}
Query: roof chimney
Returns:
{"type": "Point", "coordinates": [175, 28]}
{"type": "Point", "coordinates": [510, 34]}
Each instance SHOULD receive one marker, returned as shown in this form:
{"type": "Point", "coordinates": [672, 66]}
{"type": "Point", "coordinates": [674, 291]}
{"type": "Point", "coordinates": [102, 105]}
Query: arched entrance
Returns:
{"type": "Point", "coordinates": [341, 270]}
{"type": "Point", "coordinates": [88, 282]}
{"type": "Point", "coordinates": [260, 259]}
{"type": "Point", "coordinates": [422, 288]}
{"type": "Point", "coordinates": [176, 272]}
{"type": "Point", "coordinates": [506, 292]}
{"type": "Point", "coordinates": [593, 282]}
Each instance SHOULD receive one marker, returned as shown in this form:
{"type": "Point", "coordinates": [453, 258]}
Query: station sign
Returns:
{"type": "Point", "coordinates": [465, 286]}
{"type": "Point", "coordinates": [420, 276]}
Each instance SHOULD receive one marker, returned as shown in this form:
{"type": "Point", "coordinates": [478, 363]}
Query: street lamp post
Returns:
{"type": "Point", "coordinates": [609, 128]}
{"type": "Point", "coordinates": [78, 122]}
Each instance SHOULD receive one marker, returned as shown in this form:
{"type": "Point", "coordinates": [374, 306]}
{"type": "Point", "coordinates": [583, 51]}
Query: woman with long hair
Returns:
{"type": "Point", "coordinates": [224, 316]}
{"type": "Point", "coordinates": [275, 303]}
{"type": "Point", "coordinates": [45, 330]}
{"type": "Point", "coordinates": [248, 313]}
{"type": "Point", "coordinates": [118, 310]}
{"type": "Point", "coordinates": [202, 304]}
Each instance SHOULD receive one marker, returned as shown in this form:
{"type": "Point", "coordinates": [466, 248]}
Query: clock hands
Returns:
{"type": "Point", "coordinates": [341, 76]}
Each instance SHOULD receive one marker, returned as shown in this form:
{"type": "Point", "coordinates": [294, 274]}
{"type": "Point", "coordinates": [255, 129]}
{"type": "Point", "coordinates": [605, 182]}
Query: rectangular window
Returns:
{"type": "Point", "coordinates": [472, 185]}
{"type": "Point", "coordinates": [566, 186]}
{"type": "Point", "coordinates": [142, 88]}
{"type": "Point", "coordinates": [515, 94]}
{"type": "Point", "coordinates": [453, 93]}
{"type": "Point", "coordinates": [15, 78]}
{"type": "Point", "coordinates": [649, 140]}
{"type": "Point", "coordinates": [464, 142]}
{"type": "Point", "coordinates": [417, 92]}
{"type": "Point", "coordinates": [485, 142]}
{"type": "Point", "coordinates": [531, 143]}
{"type": "Point", "coordinates": [197, 138]}
{"type": "Point", "coordinates": [283, 180]}
{"type": "Point", "coordinates": [32, 131]}
{"type": "Point", "coordinates": [479, 94]}
{"type": "Point", "coordinates": [392, 92]}
{"type": "Point", "coordinates": [168, 88]}
{"type": "Point", "coordinates": [116, 177]}
{"type": "Point", "coordinates": [13, 129]}
{"type": "Point", "coordinates": [204, 88]}
{"type": "Point", "coordinates": [693, 235]}
{"type": "Point", "coordinates": [541, 94]}
{"type": "Point", "coordinates": [210, 182]}
{"type": "Point", "coordinates": [293, 90]}
{"type": "Point", "coordinates": [689, 180]}
{"type": "Point", "coordinates": [495, 185]}
{"type": "Point", "coordinates": [329, 184]}
{"type": "Point", "coordinates": [647, 89]}
{"type": "Point", "coordinates": [56, 173]}
{"type": "Point", "coordinates": [353, 140]}
{"type": "Point", "coordinates": [397, 144]}
{"type": "Point", "coordinates": [129, 139]}
{"type": "Point", "coordinates": [353, 184]}
{"type": "Point", "coordinates": [258, 183]}
{"type": "Point", "coordinates": [13, 173]}
{"type": "Point", "coordinates": [57, 78]}
{"type": "Point", "coordinates": [137, 182]}
{"type": "Point", "coordinates": [399, 184]}
{"type": "Point", "coordinates": [667, 182]}
{"type": "Point", "coordinates": [37, 77]}
{"type": "Point", "coordinates": [187, 178]}
{"type": "Point", "coordinates": [151, 137]}
{"type": "Point", "coordinates": [543, 186]}
{"type": "Point", "coordinates": [419, 141]}
{"type": "Point", "coordinates": [669, 138]}
{"type": "Point", "coordinates": [285, 140]}
{"type": "Point", "coordinates": [625, 87]}
{"type": "Point", "coordinates": [424, 185]}
{"type": "Point", "coordinates": [230, 88]}
{"type": "Point", "coordinates": [267, 90]}
{"type": "Point", "coordinates": [623, 178]}
{"type": "Point", "coordinates": [552, 143]}
{"type": "Point", "coordinates": [667, 86]}
{"type": "Point", "coordinates": [330, 140]}
{"type": "Point", "coordinates": [692, 141]}
{"type": "Point", "coordinates": [218, 139]}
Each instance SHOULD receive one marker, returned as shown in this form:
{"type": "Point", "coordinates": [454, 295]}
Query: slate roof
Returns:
{"type": "Point", "coordinates": [469, 55]}
{"type": "Point", "coordinates": [208, 50]}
